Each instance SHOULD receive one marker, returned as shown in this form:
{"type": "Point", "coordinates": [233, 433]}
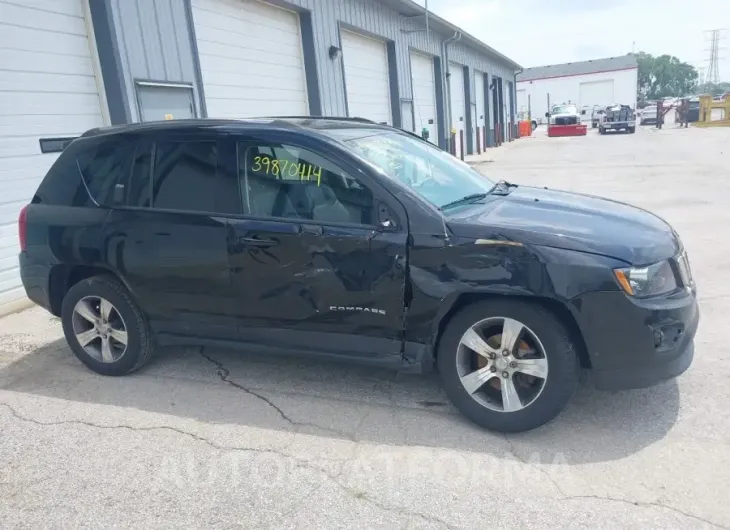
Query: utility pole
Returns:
{"type": "Point", "coordinates": [715, 37]}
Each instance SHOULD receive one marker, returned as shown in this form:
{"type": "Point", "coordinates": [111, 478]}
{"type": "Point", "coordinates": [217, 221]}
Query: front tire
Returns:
{"type": "Point", "coordinates": [105, 328]}
{"type": "Point", "coordinates": [632, 130]}
{"type": "Point", "coordinates": [508, 365]}
{"type": "Point", "coordinates": [601, 130]}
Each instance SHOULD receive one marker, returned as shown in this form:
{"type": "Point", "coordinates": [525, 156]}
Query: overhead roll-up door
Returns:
{"type": "Point", "coordinates": [251, 59]}
{"type": "Point", "coordinates": [367, 82]}
{"type": "Point", "coordinates": [48, 89]}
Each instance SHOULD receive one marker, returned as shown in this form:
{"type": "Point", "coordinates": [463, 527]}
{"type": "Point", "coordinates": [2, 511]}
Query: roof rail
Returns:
{"type": "Point", "coordinates": [331, 118]}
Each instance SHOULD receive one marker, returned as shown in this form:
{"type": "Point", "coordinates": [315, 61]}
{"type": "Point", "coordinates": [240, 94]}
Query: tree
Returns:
{"type": "Point", "coordinates": [664, 76]}
{"type": "Point", "coordinates": [713, 89]}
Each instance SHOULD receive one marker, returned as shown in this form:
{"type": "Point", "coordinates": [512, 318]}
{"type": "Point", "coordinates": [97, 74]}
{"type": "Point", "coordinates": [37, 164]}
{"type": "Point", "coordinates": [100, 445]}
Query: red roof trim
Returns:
{"type": "Point", "coordinates": [575, 75]}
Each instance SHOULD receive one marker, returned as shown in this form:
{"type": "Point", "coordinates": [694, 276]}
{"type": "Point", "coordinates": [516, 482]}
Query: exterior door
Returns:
{"type": "Point", "coordinates": [169, 239]}
{"type": "Point", "coordinates": [479, 97]}
{"type": "Point", "coordinates": [48, 89]}
{"type": "Point", "coordinates": [367, 81]}
{"type": "Point", "coordinates": [251, 58]}
{"type": "Point", "coordinates": [458, 104]}
{"type": "Point", "coordinates": [308, 267]}
{"type": "Point", "coordinates": [424, 96]}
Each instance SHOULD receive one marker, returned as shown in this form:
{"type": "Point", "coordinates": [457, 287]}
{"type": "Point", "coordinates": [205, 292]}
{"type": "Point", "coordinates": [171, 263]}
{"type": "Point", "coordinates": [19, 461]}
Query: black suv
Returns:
{"type": "Point", "coordinates": [343, 239]}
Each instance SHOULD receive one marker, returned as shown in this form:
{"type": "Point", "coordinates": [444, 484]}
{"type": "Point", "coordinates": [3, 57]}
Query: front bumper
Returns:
{"type": "Point", "coordinates": [637, 343]}
{"type": "Point", "coordinates": [618, 125]}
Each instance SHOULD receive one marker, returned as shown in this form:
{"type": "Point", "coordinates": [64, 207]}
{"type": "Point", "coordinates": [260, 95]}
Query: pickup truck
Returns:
{"type": "Point", "coordinates": [617, 118]}
{"type": "Point", "coordinates": [563, 115]}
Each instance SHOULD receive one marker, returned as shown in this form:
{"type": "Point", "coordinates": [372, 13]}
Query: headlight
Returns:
{"type": "Point", "coordinates": [647, 281]}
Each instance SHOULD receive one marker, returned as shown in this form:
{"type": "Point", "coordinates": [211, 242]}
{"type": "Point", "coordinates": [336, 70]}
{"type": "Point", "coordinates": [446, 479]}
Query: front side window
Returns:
{"type": "Point", "coordinates": [182, 175]}
{"type": "Point", "coordinates": [430, 172]}
{"type": "Point", "coordinates": [280, 180]}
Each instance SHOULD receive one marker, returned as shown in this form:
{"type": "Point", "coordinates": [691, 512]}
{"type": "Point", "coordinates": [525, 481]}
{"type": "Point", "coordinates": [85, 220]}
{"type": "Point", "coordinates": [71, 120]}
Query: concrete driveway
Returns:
{"type": "Point", "coordinates": [214, 438]}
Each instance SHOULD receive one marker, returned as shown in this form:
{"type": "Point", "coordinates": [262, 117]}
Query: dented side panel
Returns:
{"type": "Point", "coordinates": [318, 279]}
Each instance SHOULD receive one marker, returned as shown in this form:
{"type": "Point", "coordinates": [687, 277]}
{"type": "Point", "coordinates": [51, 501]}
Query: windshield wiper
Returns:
{"type": "Point", "coordinates": [466, 199]}
{"type": "Point", "coordinates": [502, 187]}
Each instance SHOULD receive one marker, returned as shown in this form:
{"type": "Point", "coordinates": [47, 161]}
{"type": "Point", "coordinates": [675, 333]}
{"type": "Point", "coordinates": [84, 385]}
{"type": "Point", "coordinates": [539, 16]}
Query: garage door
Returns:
{"type": "Point", "coordinates": [251, 59]}
{"type": "Point", "coordinates": [424, 95]}
{"type": "Point", "coordinates": [481, 118]}
{"type": "Point", "coordinates": [596, 93]}
{"type": "Point", "coordinates": [458, 106]}
{"type": "Point", "coordinates": [366, 77]}
{"type": "Point", "coordinates": [47, 89]}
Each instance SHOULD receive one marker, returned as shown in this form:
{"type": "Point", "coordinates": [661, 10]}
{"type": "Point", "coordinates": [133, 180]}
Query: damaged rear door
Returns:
{"type": "Point", "coordinates": [310, 265]}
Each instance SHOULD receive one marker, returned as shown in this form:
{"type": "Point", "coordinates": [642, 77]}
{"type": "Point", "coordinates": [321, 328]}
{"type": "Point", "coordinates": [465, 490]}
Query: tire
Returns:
{"type": "Point", "coordinates": [534, 125]}
{"type": "Point", "coordinates": [139, 347]}
{"type": "Point", "coordinates": [562, 361]}
{"type": "Point", "coordinates": [632, 130]}
{"type": "Point", "coordinates": [601, 130]}
{"type": "Point", "coordinates": [594, 125]}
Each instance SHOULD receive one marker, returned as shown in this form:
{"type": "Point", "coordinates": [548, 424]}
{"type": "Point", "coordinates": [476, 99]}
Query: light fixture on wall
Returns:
{"type": "Point", "coordinates": [335, 52]}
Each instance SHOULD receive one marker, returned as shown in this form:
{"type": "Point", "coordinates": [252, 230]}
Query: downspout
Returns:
{"type": "Point", "coordinates": [456, 37]}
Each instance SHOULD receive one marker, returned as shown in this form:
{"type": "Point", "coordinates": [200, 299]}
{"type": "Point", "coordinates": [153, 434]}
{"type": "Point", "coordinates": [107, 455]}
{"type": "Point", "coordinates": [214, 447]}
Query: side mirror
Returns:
{"type": "Point", "coordinates": [387, 225]}
{"type": "Point", "coordinates": [386, 220]}
{"type": "Point", "coordinates": [547, 114]}
{"type": "Point", "coordinates": [583, 112]}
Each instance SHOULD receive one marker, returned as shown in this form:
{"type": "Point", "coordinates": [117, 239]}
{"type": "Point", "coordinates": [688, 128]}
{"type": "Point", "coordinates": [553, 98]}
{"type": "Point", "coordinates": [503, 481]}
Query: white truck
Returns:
{"type": "Point", "coordinates": [565, 114]}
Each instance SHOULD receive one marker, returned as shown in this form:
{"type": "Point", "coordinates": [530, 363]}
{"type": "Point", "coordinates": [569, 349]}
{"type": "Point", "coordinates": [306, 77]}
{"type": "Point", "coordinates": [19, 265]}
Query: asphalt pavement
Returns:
{"type": "Point", "coordinates": [212, 438]}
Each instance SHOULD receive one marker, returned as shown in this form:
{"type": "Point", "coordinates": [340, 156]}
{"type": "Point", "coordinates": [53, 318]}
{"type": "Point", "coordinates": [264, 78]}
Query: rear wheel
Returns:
{"type": "Point", "coordinates": [105, 328]}
{"type": "Point", "coordinates": [508, 365]}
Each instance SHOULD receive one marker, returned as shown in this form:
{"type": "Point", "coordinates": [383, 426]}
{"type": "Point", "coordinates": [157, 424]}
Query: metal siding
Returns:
{"type": "Point", "coordinates": [154, 45]}
{"type": "Point", "coordinates": [148, 48]}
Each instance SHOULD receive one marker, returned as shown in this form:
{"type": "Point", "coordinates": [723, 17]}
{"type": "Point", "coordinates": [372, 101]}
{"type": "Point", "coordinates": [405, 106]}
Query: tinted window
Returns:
{"type": "Point", "coordinates": [140, 178]}
{"type": "Point", "coordinates": [186, 176]}
{"type": "Point", "coordinates": [102, 167]}
{"type": "Point", "coordinates": [284, 181]}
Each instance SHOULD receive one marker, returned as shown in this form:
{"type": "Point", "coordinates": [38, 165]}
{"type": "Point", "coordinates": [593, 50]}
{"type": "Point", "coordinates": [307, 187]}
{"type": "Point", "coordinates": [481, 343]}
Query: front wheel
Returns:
{"type": "Point", "coordinates": [508, 365]}
{"type": "Point", "coordinates": [601, 130]}
{"type": "Point", "coordinates": [632, 130]}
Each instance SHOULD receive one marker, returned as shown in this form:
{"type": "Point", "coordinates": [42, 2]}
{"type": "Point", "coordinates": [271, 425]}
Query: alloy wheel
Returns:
{"type": "Point", "coordinates": [100, 329]}
{"type": "Point", "coordinates": [502, 364]}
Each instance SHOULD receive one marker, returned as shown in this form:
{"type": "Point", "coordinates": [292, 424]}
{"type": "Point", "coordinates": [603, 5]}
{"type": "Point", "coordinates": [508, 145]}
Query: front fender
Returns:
{"type": "Point", "coordinates": [468, 272]}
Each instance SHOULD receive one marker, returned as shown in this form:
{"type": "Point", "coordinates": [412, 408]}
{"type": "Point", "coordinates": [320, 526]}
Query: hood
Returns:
{"type": "Point", "coordinates": [571, 221]}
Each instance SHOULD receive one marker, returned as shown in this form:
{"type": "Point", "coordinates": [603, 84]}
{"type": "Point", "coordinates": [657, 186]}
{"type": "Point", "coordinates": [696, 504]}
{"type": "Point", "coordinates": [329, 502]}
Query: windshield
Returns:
{"type": "Point", "coordinates": [565, 109]}
{"type": "Point", "coordinates": [430, 172]}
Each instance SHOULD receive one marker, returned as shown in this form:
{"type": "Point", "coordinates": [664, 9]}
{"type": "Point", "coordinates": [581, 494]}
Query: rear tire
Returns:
{"type": "Point", "coordinates": [100, 312]}
{"type": "Point", "coordinates": [483, 403]}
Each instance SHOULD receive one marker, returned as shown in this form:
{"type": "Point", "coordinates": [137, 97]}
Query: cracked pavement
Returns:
{"type": "Point", "coordinates": [207, 437]}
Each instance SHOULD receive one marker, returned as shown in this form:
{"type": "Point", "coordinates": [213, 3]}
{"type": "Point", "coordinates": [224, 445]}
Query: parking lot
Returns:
{"type": "Point", "coordinates": [215, 438]}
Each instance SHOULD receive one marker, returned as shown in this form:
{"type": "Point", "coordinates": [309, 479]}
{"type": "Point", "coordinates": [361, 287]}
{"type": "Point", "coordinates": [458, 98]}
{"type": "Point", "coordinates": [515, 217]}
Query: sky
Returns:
{"type": "Point", "coordinates": [541, 32]}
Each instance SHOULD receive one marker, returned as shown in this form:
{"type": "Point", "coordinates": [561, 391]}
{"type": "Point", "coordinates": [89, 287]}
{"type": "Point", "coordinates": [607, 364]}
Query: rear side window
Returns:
{"type": "Point", "coordinates": [103, 167]}
{"type": "Point", "coordinates": [184, 176]}
{"type": "Point", "coordinates": [86, 164]}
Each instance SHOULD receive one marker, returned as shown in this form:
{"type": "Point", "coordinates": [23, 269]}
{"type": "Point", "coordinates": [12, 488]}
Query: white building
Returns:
{"type": "Point", "coordinates": [588, 83]}
{"type": "Point", "coordinates": [67, 66]}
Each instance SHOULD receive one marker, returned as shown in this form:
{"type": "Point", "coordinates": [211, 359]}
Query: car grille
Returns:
{"type": "Point", "coordinates": [566, 120]}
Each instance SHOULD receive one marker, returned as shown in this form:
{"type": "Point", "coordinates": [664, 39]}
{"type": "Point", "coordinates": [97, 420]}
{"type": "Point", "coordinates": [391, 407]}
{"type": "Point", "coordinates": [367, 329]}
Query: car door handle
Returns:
{"type": "Point", "coordinates": [257, 242]}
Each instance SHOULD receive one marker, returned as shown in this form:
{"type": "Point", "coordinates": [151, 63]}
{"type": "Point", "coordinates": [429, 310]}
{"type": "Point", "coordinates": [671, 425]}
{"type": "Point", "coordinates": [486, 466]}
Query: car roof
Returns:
{"type": "Point", "coordinates": [305, 124]}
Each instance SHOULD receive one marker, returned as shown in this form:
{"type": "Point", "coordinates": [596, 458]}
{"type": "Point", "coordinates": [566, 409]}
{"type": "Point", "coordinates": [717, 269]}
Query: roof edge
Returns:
{"type": "Point", "coordinates": [472, 40]}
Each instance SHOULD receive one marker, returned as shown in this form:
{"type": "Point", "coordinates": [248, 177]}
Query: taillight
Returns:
{"type": "Point", "coordinates": [23, 227]}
